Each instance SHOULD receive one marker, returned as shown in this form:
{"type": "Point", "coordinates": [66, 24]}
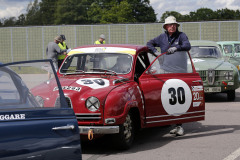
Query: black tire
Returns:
{"type": "Point", "coordinates": [124, 139]}
{"type": "Point", "coordinates": [231, 95]}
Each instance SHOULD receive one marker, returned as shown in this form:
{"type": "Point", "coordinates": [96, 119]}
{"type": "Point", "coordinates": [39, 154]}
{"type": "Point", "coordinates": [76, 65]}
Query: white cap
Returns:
{"type": "Point", "coordinates": [102, 36]}
{"type": "Point", "coordinates": [170, 20]}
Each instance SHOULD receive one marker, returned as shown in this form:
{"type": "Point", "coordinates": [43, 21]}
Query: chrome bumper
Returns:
{"type": "Point", "coordinates": [99, 129]}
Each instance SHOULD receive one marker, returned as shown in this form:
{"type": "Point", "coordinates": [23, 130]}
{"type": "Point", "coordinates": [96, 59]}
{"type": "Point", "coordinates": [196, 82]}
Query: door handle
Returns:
{"type": "Point", "coordinates": [63, 127]}
{"type": "Point", "coordinates": [198, 81]}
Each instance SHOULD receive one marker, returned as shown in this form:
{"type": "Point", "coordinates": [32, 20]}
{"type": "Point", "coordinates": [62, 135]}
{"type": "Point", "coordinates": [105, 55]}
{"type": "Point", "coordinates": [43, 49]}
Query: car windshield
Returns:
{"type": "Point", "coordinates": [107, 63]}
{"type": "Point", "coordinates": [20, 81]}
{"type": "Point", "coordinates": [205, 51]}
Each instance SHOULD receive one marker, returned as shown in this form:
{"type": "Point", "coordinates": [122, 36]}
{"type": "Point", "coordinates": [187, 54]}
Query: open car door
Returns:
{"type": "Point", "coordinates": [28, 129]}
{"type": "Point", "coordinates": [173, 91]}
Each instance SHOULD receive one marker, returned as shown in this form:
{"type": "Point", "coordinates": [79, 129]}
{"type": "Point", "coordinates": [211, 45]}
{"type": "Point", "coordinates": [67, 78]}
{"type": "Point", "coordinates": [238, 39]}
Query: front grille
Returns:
{"type": "Point", "coordinates": [217, 75]}
{"type": "Point", "coordinates": [88, 116]}
{"type": "Point", "coordinates": [212, 76]}
{"type": "Point", "coordinates": [203, 75]}
{"type": "Point", "coordinates": [57, 102]}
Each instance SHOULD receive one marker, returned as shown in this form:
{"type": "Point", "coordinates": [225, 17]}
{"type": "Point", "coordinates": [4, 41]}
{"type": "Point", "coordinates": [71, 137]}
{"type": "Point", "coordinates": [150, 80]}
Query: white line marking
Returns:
{"type": "Point", "coordinates": [233, 155]}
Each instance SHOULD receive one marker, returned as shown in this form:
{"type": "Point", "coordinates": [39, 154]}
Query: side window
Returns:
{"type": "Point", "coordinates": [179, 62]}
{"type": "Point", "coordinates": [9, 93]}
{"type": "Point", "coordinates": [28, 85]}
{"type": "Point", "coordinates": [227, 49]}
{"type": "Point", "coordinates": [237, 48]}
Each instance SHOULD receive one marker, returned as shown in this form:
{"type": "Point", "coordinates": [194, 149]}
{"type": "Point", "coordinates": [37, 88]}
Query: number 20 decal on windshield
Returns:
{"type": "Point", "coordinates": [176, 97]}
{"type": "Point", "coordinates": [94, 83]}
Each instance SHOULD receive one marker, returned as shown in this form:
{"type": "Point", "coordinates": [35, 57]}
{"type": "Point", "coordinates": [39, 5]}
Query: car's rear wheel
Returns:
{"type": "Point", "coordinates": [123, 140]}
{"type": "Point", "coordinates": [231, 95]}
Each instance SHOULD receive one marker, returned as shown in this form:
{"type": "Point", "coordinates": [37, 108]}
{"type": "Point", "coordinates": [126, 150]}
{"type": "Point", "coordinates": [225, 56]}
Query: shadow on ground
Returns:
{"type": "Point", "coordinates": [152, 138]}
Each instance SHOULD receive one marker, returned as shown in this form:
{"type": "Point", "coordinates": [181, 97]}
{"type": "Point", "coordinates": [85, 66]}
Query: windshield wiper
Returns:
{"type": "Point", "coordinates": [104, 70]}
{"type": "Point", "coordinates": [75, 71]}
{"type": "Point", "coordinates": [207, 56]}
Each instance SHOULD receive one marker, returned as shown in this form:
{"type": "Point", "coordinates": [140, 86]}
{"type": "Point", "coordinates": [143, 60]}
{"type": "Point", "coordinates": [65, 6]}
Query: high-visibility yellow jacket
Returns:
{"type": "Point", "coordinates": [98, 42]}
{"type": "Point", "coordinates": [62, 47]}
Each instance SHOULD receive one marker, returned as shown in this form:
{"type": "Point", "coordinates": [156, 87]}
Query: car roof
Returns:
{"type": "Point", "coordinates": [228, 42]}
{"type": "Point", "coordinates": [108, 48]}
{"type": "Point", "coordinates": [130, 46]}
{"type": "Point", "coordinates": [203, 43]}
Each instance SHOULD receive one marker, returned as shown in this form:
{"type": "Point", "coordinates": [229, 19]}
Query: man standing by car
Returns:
{"type": "Point", "coordinates": [171, 41]}
{"type": "Point", "coordinates": [52, 52]}
{"type": "Point", "coordinates": [101, 40]}
{"type": "Point", "coordinates": [62, 46]}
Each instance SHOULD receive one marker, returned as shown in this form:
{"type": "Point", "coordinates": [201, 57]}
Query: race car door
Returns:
{"type": "Point", "coordinates": [29, 130]}
{"type": "Point", "coordinates": [172, 90]}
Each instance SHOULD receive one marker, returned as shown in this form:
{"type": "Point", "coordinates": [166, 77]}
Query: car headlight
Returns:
{"type": "Point", "coordinates": [229, 75]}
{"type": "Point", "coordinates": [40, 101]}
{"type": "Point", "coordinates": [92, 104]}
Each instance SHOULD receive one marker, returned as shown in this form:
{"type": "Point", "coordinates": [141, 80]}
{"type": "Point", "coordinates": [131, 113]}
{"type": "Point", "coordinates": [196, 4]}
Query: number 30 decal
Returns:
{"type": "Point", "coordinates": [176, 97]}
{"type": "Point", "coordinates": [93, 83]}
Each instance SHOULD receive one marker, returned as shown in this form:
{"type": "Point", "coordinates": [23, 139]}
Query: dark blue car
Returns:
{"type": "Point", "coordinates": [27, 129]}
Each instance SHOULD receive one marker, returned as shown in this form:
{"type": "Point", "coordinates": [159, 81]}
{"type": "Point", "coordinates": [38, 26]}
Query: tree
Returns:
{"type": "Point", "coordinates": [142, 11]}
{"type": "Point", "coordinates": [225, 14]}
{"type": "Point", "coordinates": [9, 21]}
{"type": "Point", "coordinates": [177, 15]}
{"type": "Point", "coordinates": [70, 12]}
{"type": "Point", "coordinates": [237, 14]}
{"type": "Point", "coordinates": [47, 10]}
{"type": "Point", "coordinates": [94, 13]}
{"type": "Point", "coordinates": [204, 14]}
{"type": "Point", "coordinates": [118, 13]}
{"type": "Point", "coordinates": [33, 14]}
{"type": "Point", "coordinates": [121, 11]}
{"type": "Point", "coordinates": [21, 20]}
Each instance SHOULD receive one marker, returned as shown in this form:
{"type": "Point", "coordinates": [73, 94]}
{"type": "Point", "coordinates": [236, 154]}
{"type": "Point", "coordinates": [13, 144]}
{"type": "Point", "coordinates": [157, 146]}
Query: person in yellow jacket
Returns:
{"type": "Point", "coordinates": [101, 40]}
{"type": "Point", "coordinates": [62, 46]}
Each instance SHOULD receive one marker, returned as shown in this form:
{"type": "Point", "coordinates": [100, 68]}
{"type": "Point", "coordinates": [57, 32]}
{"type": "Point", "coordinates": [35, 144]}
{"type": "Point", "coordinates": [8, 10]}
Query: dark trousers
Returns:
{"type": "Point", "coordinates": [60, 62]}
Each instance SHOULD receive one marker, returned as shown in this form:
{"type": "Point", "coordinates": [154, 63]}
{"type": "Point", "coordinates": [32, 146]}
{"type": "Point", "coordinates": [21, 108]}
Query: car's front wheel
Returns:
{"type": "Point", "coordinates": [231, 95]}
{"type": "Point", "coordinates": [124, 139]}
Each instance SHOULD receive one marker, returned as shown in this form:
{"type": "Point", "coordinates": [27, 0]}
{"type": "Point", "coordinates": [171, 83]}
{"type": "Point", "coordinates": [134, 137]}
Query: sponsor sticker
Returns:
{"type": "Point", "coordinates": [197, 88]}
{"type": "Point", "coordinates": [196, 104]}
{"type": "Point", "coordinates": [197, 96]}
{"type": "Point", "coordinates": [78, 89]}
{"type": "Point", "coordinates": [12, 116]}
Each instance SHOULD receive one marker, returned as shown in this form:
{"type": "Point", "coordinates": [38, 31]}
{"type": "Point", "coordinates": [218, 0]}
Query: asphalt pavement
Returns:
{"type": "Point", "coordinates": [215, 138]}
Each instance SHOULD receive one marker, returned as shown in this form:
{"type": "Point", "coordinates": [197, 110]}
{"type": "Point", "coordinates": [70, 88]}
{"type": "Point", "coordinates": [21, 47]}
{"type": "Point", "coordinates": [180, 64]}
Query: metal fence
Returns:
{"type": "Point", "coordinates": [29, 43]}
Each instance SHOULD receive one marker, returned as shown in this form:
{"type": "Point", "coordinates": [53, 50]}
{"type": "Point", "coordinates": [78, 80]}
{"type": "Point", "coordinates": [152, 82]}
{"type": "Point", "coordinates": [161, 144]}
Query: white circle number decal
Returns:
{"type": "Point", "coordinates": [176, 97]}
{"type": "Point", "coordinates": [94, 83]}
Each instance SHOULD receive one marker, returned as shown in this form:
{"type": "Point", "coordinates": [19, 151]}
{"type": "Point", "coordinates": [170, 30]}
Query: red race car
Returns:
{"type": "Point", "coordinates": [118, 89]}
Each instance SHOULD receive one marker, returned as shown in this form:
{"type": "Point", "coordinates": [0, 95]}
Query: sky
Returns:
{"type": "Point", "coordinates": [13, 8]}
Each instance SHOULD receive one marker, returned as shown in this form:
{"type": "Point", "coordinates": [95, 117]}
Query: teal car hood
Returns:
{"type": "Point", "coordinates": [211, 63]}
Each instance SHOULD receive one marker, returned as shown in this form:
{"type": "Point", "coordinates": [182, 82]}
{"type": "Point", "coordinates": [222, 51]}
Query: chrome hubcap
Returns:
{"type": "Point", "coordinates": [127, 127]}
